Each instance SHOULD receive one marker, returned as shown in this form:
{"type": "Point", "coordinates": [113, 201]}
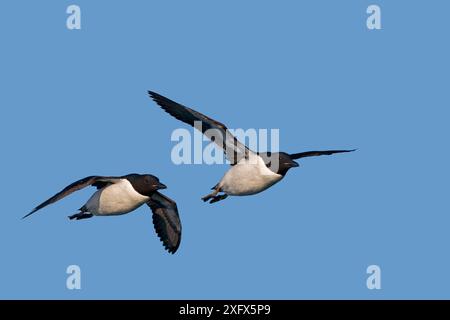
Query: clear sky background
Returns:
{"type": "Point", "coordinates": [74, 103]}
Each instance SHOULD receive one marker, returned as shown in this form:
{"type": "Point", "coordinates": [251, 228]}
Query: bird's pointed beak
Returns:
{"type": "Point", "coordinates": [294, 164]}
{"type": "Point", "coordinates": [161, 186]}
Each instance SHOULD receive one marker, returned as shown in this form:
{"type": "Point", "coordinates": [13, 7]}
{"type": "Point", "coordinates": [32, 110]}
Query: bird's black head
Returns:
{"type": "Point", "coordinates": [145, 184]}
{"type": "Point", "coordinates": [278, 162]}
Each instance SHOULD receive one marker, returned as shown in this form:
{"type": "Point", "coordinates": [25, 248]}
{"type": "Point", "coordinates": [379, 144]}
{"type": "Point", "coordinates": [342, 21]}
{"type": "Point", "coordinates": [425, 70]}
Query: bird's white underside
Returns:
{"type": "Point", "coordinates": [115, 199]}
{"type": "Point", "coordinates": [248, 177]}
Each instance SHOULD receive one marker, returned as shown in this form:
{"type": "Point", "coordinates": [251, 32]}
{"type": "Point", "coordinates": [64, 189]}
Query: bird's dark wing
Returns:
{"type": "Point", "coordinates": [166, 221]}
{"type": "Point", "coordinates": [96, 181]}
{"type": "Point", "coordinates": [214, 130]}
{"type": "Point", "coordinates": [316, 153]}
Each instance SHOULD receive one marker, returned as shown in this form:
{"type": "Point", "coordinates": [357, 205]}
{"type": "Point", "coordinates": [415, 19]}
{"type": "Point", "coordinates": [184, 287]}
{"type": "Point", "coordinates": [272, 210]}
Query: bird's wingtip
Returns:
{"type": "Point", "coordinates": [29, 214]}
{"type": "Point", "coordinates": [152, 94]}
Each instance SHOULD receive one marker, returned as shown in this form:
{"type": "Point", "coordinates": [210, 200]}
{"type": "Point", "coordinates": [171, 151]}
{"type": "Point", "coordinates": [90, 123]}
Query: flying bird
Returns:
{"type": "Point", "coordinates": [121, 195]}
{"type": "Point", "coordinates": [251, 172]}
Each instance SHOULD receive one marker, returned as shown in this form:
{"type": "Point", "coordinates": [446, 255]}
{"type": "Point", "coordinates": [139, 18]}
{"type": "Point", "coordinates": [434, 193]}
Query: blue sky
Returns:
{"type": "Point", "coordinates": [74, 104]}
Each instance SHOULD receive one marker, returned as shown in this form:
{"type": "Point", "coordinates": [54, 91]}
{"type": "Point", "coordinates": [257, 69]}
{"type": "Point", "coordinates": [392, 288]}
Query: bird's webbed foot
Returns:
{"type": "Point", "coordinates": [218, 198]}
{"type": "Point", "coordinates": [81, 215]}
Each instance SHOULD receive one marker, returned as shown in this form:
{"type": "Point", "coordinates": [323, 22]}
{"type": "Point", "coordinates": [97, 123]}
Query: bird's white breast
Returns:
{"type": "Point", "coordinates": [248, 177]}
{"type": "Point", "coordinates": [115, 199]}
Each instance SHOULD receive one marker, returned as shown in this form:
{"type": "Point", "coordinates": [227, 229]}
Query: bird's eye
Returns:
{"type": "Point", "coordinates": [269, 154]}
